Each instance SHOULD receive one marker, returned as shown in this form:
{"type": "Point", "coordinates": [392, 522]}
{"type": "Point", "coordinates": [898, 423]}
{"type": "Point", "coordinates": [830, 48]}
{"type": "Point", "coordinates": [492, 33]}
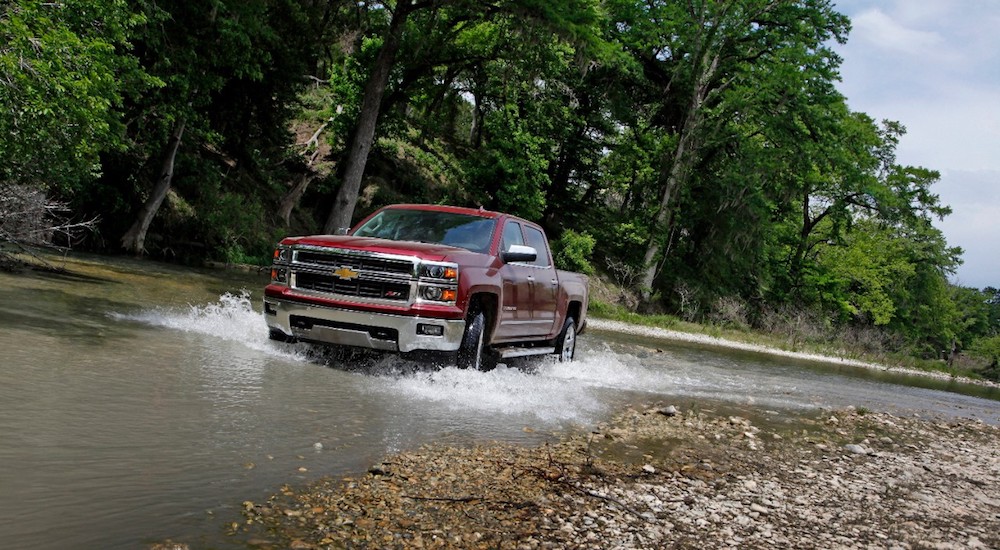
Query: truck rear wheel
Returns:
{"type": "Point", "coordinates": [474, 353]}
{"type": "Point", "coordinates": [566, 342]}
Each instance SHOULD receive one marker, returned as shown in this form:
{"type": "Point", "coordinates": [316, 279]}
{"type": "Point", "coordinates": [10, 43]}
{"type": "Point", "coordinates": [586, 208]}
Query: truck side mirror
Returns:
{"type": "Point", "coordinates": [519, 253]}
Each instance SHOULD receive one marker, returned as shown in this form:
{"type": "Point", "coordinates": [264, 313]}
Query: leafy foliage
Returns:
{"type": "Point", "coordinates": [573, 250]}
{"type": "Point", "coordinates": [63, 67]}
{"type": "Point", "coordinates": [697, 152]}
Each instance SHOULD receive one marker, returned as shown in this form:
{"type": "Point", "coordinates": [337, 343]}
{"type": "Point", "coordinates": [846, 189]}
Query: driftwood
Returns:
{"type": "Point", "coordinates": [312, 151]}
{"type": "Point", "coordinates": [30, 219]}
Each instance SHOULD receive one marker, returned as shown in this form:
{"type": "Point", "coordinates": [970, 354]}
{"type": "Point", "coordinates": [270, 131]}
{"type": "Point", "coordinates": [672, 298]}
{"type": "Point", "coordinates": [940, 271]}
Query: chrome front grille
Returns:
{"type": "Point", "coordinates": [355, 274]}
{"type": "Point", "coordinates": [320, 282]}
{"type": "Point", "coordinates": [359, 262]}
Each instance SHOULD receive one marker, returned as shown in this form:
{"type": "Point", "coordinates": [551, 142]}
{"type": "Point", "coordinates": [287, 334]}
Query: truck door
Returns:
{"type": "Point", "coordinates": [544, 284]}
{"type": "Point", "coordinates": [515, 309]}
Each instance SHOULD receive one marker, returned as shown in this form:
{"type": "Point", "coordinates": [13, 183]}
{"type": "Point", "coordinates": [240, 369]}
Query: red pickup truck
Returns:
{"type": "Point", "coordinates": [479, 284]}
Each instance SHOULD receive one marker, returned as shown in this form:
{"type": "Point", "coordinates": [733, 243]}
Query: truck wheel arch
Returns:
{"type": "Point", "coordinates": [485, 302]}
{"type": "Point", "coordinates": [575, 310]}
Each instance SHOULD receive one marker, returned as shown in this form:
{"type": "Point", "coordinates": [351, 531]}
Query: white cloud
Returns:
{"type": "Point", "coordinates": [954, 128]}
{"type": "Point", "coordinates": [974, 197]}
{"type": "Point", "coordinates": [877, 29]}
{"type": "Point", "coordinates": [934, 66]}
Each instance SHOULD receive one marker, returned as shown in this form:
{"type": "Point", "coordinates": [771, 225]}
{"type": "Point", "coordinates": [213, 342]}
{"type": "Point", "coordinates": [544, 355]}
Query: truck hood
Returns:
{"type": "Point", "coordinates": [425, 251]}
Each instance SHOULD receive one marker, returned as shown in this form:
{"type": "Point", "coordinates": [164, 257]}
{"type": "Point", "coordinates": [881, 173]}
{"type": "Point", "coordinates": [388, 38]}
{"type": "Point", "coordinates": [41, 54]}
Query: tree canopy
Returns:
{"type": "Point", "coordinates": [696, 151]}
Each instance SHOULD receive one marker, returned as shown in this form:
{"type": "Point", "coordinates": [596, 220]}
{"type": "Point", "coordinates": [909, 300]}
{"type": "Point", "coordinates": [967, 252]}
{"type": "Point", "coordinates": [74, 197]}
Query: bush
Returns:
{"type": "Point", "coordinates": [988, 350]}
{"type": "Point", "coordinates": [573, 250]}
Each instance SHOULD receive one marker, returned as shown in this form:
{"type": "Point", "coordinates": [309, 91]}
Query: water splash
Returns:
{"type": "Point", "coordinates": [232, 318]}
{"type": "Point", "coordinates": [542, 388]}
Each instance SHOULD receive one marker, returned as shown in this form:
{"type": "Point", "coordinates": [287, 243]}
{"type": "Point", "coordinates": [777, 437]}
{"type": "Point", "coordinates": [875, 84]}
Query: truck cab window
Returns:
{"type": "Point", "coordinates": [536, 240]}
{"type": "Point", "coordinates": [511, 235]}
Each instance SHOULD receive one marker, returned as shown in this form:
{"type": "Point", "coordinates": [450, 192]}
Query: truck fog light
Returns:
{"type": "Point", "coordinates": [430, 330]}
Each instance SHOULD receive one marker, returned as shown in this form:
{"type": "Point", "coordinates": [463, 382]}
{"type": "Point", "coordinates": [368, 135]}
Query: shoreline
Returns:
{"type": "Point", "coordinates": [714, 341]}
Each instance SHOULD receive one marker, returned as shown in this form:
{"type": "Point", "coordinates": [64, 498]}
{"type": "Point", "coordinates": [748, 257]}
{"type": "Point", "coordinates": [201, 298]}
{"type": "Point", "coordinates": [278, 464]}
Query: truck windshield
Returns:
{"type": "Point", "coordinates": [428, 226]}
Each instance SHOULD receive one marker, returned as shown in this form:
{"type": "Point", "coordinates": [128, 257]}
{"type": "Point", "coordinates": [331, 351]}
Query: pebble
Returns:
{"type": "Point", "coordinates": [709, 487]}
{"type": "Point", "coordinates": [856, 449]}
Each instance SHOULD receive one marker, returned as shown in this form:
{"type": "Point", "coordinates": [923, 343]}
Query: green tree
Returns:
{"type": "Point", "coordinates": [693, 55]}
{"type": "Point", "coordinates": [231, 71]}
{"type": "Point", "coordinates": [573, 20]}
{"type": "Point", "coordinates": [64, 69]}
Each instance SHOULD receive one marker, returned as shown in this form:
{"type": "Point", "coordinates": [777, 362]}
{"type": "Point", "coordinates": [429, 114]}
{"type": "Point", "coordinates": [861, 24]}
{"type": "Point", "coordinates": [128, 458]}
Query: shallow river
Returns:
{"type": "Point", "coordinates": [141, 402]}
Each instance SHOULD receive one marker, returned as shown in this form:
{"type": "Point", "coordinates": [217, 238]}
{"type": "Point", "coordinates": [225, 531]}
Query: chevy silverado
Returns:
{"type": "Point", "coordinates": [478, 285]}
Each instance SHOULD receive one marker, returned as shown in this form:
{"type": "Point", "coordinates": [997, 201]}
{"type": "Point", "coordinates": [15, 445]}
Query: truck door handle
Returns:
{"type": "Point", "coordinates": [531, 279]}
{"type": "Point", "coordinates": [555, 282]}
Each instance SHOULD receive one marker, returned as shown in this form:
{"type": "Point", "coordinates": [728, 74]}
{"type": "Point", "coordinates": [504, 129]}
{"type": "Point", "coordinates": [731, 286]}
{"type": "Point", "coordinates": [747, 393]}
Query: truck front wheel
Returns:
{"type": "Point", "coordinates": [566, 342]}
{"type": "Point", "coordinates": [474, 353]}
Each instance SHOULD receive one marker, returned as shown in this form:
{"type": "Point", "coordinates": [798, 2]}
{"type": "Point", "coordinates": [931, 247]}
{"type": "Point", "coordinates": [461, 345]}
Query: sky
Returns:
{"type": "Point", "coordinates": [934, 66]}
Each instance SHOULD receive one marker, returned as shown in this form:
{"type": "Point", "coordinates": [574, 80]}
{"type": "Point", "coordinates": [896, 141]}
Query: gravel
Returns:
{"type": "Point", "coordinates": [657, 476]}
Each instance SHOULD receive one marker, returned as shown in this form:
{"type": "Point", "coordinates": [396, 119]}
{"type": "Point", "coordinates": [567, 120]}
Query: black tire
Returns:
{"type": "Point", "coordinates": [474, 353]}
{"type": "Point", "coordinates": [566, 341]}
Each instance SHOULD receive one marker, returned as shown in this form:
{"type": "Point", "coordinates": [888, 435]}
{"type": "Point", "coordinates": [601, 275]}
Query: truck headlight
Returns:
{"type": "Point", "coordinates": [438, 282]}
{"type": "Point", "coordinates": [442, 272]}
{"type": "Point", "coordinates": [282, 254]}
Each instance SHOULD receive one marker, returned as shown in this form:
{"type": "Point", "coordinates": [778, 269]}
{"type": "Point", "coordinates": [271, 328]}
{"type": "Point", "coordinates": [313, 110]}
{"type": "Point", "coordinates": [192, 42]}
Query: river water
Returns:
{"type": "Point", "coordinates": [141, 402]}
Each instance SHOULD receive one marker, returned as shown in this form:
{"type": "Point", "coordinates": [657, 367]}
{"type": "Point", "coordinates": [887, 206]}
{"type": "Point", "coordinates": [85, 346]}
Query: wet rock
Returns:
{"type": "Point", "coordinates": [856, 449]}
{"type": "Point", "coordinates": [668, 411]}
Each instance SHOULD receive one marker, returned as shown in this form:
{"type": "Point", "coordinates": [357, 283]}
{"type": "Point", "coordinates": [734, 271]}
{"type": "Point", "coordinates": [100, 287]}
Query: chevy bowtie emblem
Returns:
{"type": "Point", "coordinates": [345, 272]}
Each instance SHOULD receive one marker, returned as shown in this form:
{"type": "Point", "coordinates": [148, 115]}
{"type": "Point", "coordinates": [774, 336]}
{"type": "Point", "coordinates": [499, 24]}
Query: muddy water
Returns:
{"type": "Point", "coordinates": [141, 402]}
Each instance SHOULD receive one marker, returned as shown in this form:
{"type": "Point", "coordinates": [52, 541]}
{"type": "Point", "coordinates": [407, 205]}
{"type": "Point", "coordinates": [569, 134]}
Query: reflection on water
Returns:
{"type": "Point", "coordinates": [143, 402]}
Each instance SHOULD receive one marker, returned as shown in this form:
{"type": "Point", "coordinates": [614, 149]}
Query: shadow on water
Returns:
{"type": "Point", "coordinates": [63, 275]}
{"type": "Point", "coordinates": [389, 364]}
{"type": "Point", "coordinates": [57, 311]}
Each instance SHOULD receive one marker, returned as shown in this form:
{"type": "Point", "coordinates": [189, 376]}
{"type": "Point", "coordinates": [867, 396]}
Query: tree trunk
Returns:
{"type": "Point", "coordinates": [676, 174]}
{"type": "Point", "coordinates": [347, 195]}
{"type": "Point", "coordinates": [134, 239]}
{"type": "Point", "coordinates": [292, 198]}
{"type": "Point", "coordinates": [680, 164]}
{"type": "Point", "coordinates": [312, 151]}
{"type": "Point", "coordinates": [476, 130]}
{"type": "Point", "coordinates": [673, 179]}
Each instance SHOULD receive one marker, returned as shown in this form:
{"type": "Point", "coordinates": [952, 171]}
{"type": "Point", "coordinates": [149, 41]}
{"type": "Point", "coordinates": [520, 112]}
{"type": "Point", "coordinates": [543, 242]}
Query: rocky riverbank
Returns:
{"type": "Point", "coordinates": [656, 477]}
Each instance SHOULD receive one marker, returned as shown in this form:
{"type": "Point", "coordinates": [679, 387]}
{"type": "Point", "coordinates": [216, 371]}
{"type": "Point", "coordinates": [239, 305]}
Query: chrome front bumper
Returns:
{"type": "Point", "coordinates": [345, 327]}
